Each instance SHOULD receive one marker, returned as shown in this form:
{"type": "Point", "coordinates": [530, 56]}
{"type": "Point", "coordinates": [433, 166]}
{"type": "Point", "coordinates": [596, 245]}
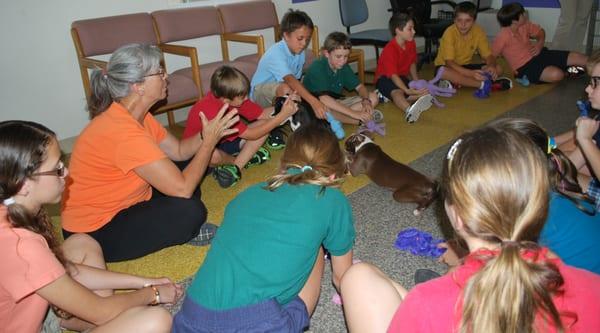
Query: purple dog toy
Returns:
{"type": "Point", "coordinates": [434, 90]}
{"type": "Point", "coordinates": [372, 126]}
{"type": "Point", "coordinates": [419, 243]}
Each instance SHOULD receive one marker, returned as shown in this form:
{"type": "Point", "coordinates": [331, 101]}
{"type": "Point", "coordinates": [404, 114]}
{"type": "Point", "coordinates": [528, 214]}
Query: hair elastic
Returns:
{"type": "Point", "coordinates": [306, 168]}
{"type": "Point", "coordinates": [104, 73]}
{"type": "Point", "coordinates": [9, 201]}
{"type": "Point", "coordinates": [551, 144]}
{"type": "Point", "coordinates": [453, 150]}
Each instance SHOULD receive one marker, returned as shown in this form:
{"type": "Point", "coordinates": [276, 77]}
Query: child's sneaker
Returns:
{"type": "Point", "coordinates": [523, 80]}
{"type": "Point", "coordinates": [502, 83]}
{"type": "Point", "coordinates": [227, 175]}
{"type": "Point", "coordinates": [377, 116]}
{"type": "Point", "coordinates": [261, 156]}
{"type": "Point", "coordinates": [205, 235]}
{"type": "Point", "coordinates": [484, 92]}
{"type": "Point", "coordinates": [382, 99]}
{"type": "Point", "coordinates": [276, 139]}
{"type": "Point", "coordinates": [414, 111]}
{"type": "Point", "coordinates": [575, 71]}
{"type": "Point", "coordinates": [445, 84]}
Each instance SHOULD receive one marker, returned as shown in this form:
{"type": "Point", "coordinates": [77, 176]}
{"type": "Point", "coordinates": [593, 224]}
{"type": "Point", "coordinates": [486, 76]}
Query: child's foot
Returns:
{"type": "Point", "coordinates": [484, 92]}
{"type": "Point", "coordinates": [523, 80]}
{"type": "Point", "coordinates": [276, 139]}
{"type": "Point", "coordinates": [377, 116]}
{"type": "Point", "coordinates": [575, 71]}
{"type": "Point", "coordinates": [502, 83]}
{"type": "Point", "coordinates": [261, 156]}
{"type": "Point", "coordinates": [382, 99]}
{"type": "Point", "coordinates": [445, 84]}
{"type": "Point", "coordinates": [205, 235]}
{"type": "Point", "coordinates": [227, 175]}
{"type": "Point", "coordinates": [414, 111]}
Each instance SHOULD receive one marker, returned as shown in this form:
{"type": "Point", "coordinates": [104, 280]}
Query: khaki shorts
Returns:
{"type": "Point", "coordinates": [264, 93]}
{"type": "Point", "coordinates": [349, 101]}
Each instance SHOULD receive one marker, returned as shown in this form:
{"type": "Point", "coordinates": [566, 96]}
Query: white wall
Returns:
{"type": "Point", "coordinates": [40, 78]}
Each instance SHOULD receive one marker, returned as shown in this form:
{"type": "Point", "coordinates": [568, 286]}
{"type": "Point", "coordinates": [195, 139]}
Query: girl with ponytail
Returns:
{"type": "Point", "coordinates": [496, 188]}
{"type": "Point", "coordinates": [572, 229]}
{"type": "Point", "coordinates": [268, 252]}
{"type": "Point", "coordinates": [36, 270]}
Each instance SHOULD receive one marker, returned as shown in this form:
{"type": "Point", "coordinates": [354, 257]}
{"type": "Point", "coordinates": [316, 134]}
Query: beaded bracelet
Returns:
{"type": "Point", "coordinates": [156, 300]}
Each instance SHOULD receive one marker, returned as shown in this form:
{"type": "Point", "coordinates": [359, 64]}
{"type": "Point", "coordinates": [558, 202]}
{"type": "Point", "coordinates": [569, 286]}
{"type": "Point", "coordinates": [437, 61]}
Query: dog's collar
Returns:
{"type": "Point", "coordinates": [367, 140]}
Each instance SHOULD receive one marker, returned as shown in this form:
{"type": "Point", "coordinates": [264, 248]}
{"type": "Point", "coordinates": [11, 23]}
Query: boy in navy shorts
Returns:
{"type": "Point", "coordinates": [396, 64]}
{"type": "Point", "coordinates": [530, 61]}
{"type": "Point", "coordinates": [229, 88]}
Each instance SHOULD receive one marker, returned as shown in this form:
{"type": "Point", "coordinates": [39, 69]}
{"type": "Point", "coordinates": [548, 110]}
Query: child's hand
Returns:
{"type": "Point", "coordinates": [169, 292]}
{"type": "Point", "coordinates": [535, 49]}
{"type": "Point", "coordinates": [289, 107]}
{"type": "Point", "coordinates": [449, 257]}
{"type": "Point", "coordinates": [492, 71]}
{"type": "Point", "coordinates": [417, 92]}
{"type": "Point", "coordinates": [367, 106]}
{"type": "Point", "coordinates": [362, 116]}
{"type": "Point", "coordinates": [155, 281]}
{"type": "Point", "coordinates": [320, 109]}
{"type": "Point", "coordinates": [219, 126]}
{"type": "Point", "coordinates": [586, 128]}
{"type": "Point", "coordinates": [479, 75]}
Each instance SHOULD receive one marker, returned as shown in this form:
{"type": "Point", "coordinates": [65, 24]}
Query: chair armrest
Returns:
{"type": "Point", "coordinates": [189, 52]}
{"type": "Point", "coordinates": [258, 40]}
{"type": "Point", "coordinates": [181, 50]}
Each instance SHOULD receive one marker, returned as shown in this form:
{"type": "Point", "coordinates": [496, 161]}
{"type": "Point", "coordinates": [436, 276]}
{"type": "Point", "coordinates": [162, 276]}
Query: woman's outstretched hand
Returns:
{"type": "Point", "coordinates": [219, 126]}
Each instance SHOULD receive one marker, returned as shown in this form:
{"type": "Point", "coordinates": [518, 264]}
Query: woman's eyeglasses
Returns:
{"type": "Point", "coordinates": [161, 72]}
{"type": "Point", "coordinates": [58, 172]}
{"type": "Point", "coordinates": [594, 81]}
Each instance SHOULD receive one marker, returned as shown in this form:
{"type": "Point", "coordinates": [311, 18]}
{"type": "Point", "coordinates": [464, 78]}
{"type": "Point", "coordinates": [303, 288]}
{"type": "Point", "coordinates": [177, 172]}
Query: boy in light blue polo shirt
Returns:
{"type": "Point", "coordinates": [280, 69]}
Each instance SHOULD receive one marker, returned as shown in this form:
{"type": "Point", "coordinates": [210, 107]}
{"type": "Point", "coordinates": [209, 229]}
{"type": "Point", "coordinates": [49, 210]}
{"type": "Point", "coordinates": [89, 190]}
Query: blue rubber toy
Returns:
{"type": "Point", "coordinates": [336, 126]}
{"type": "Point", "coordinates": [419, 243]}
{"type": "Point", "coordinates": [523, 80]}
{"type": "Point", "coordinates": [584, 108]}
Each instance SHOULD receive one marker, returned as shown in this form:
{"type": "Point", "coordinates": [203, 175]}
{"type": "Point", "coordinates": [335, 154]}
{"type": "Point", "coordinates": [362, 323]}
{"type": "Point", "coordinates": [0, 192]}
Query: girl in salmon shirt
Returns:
{"type": "Point", "coordinates": [36, 270]}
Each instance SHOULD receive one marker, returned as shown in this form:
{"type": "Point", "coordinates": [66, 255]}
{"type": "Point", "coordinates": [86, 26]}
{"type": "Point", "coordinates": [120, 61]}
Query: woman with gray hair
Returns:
{"type": "Point", "coordinates": [124, 189]}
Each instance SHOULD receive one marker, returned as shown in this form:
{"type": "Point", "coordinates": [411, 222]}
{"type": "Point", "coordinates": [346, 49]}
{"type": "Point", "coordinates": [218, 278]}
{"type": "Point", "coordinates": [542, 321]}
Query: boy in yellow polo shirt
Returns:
{"type": "Point", "coordinates": [459, 43]}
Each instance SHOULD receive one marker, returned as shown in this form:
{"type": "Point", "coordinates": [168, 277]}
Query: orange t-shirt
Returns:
{"type": "Point", "coordinates": [514, 47]}
{"type": "Point", "coordinates": [101, 179]}
{"type": "Point", "coordinates": [27, 265]}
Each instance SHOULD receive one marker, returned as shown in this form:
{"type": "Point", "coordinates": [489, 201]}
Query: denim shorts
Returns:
{"type": "Point", "coordinates": [267, 316]}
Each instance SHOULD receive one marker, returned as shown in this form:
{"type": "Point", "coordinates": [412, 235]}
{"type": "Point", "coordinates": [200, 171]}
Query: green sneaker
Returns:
{"type": "Point", "coordinates": [227, 175]}
{"type": "Point", "coordinates": [276, 139]}
{"type": "Point", "coordinates": [261, 156]}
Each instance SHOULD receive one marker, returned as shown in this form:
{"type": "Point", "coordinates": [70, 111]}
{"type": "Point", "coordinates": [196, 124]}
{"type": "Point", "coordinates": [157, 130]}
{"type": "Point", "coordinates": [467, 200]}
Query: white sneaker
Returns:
{"type": "Point", "coordinates": [377, 116]}
{"type": "Point", "coordinates": [414, 111]}
{"type": "Point", "coordinates": [444, 84]}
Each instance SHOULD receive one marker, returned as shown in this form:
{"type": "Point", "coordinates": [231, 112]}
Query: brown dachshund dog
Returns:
{"type": "Point", "coordinates": [365, 157]}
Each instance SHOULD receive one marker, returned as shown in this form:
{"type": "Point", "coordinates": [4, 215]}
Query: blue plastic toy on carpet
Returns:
{"type": "Point", "coordinates": [419, 243]}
